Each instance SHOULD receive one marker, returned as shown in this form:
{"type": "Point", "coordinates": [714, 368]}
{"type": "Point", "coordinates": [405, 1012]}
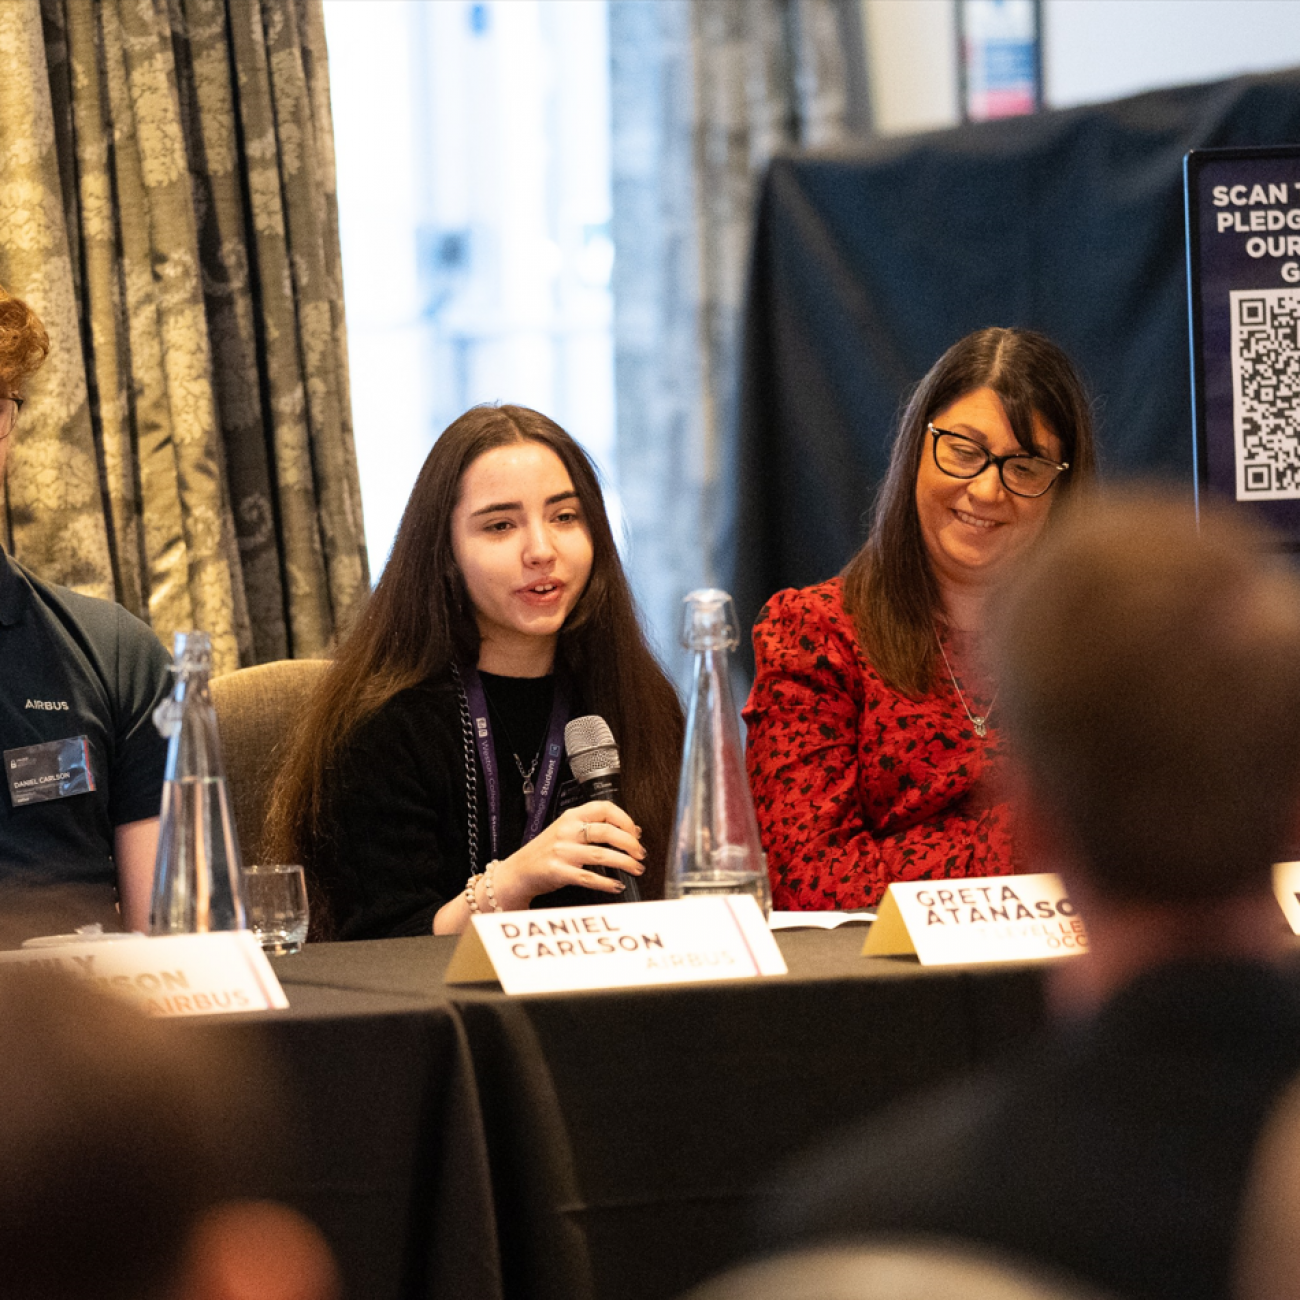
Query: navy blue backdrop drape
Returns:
{"type": "Point", "coordinates": [867, 266]}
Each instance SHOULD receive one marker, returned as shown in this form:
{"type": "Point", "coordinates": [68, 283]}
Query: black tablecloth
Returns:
{"type": "Point", "coordinates": [383, 1145]}
{"type": "Point", "coordinates": [461, 1144]}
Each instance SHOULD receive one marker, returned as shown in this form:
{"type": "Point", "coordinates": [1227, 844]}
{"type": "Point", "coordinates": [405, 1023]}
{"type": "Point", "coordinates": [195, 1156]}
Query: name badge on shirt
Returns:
{"type": "Point", "coordinates": [56, 769]}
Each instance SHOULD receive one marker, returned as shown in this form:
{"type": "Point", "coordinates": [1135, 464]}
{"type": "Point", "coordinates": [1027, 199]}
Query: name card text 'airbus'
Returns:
{"type": "Point", "coordinates": [172, 975]}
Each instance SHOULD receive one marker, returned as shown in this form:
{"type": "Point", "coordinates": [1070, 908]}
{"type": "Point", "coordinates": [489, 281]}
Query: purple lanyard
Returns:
{"type": "Point", "coordinates": [552, 757]}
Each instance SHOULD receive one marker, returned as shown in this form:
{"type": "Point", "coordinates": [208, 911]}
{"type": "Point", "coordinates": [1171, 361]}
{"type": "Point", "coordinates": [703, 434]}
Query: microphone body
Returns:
{"type": "Point", "coordinates": [593, 759]}
{"type": "Point", "coordinates": [607, 786]}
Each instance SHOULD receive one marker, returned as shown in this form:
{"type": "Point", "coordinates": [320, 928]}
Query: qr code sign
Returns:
{"type": "Point", "coordinates": [1266, 392]}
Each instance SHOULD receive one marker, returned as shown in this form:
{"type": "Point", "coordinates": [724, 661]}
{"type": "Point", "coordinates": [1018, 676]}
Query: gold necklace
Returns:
{"type": "Point", "coordinates": [980, 723]}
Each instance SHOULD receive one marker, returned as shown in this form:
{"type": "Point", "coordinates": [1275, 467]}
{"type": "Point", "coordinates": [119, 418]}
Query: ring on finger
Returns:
{"type": "Point", "coordinates": [586, 832]}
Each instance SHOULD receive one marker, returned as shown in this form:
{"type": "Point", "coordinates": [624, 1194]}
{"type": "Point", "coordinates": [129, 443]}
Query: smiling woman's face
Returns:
{"type": "Point", "coordinates": [972, 527]}
{"type": "Point", "coordinates": [524, 550]}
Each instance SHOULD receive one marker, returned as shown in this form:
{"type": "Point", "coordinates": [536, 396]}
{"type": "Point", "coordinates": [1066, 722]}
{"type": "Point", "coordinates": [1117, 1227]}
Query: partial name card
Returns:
{"type": "Point", "coordinates": [995, 918]}
{"type": "Point", "coordinates": [171, 975]}
{"type": "Point", "coordinates": [620, 945]}
{"type": "Point", "coordinates": [1286, 886]}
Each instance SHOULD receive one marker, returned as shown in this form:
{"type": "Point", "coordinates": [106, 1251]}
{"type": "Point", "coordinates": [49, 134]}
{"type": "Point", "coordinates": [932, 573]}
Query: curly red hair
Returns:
{"type": "Point", "coordinates": [24, 344]}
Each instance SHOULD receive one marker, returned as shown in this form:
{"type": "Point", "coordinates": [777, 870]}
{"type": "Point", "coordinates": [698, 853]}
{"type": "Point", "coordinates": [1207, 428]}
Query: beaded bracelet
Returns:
{"type": "Point", "coordinates": [487, 880]}
{"type": "Point", "coordinates": [471, 893]}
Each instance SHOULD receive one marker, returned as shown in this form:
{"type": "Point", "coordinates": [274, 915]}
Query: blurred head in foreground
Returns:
{"type": "Point", "coordinates": [894, 1269]}
{"type": "Point", "coordinates": [1268, 1253]}
{"type": "Point", "coordinates": [117, 1160]}
{"type": "Point", "coordinates": [1151, 679]}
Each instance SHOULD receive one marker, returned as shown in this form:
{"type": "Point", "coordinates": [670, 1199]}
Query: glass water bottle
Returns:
{"type": "Point", "coordinates": [716, 847]}
{"type": "Point", "coordinates": [197, 879]}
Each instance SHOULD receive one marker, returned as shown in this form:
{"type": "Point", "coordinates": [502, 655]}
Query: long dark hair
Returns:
{"type": "Point", "coordinates": [890, 590]}
{"type": "Point", "coordinates": [420, 620]}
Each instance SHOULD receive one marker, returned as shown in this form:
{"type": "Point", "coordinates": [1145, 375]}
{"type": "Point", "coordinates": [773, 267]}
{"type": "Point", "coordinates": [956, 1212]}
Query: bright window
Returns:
{"type": "Point", "coordinates": [474, 208]}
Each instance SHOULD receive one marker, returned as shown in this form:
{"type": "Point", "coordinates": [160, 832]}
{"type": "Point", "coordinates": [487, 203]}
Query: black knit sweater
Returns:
{"type": "Point", "coordinates": [394, 845]}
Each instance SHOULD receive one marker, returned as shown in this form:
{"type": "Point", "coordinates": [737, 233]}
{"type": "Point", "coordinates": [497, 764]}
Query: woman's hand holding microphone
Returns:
{"type": "Point", "coordinates": [597, 834]}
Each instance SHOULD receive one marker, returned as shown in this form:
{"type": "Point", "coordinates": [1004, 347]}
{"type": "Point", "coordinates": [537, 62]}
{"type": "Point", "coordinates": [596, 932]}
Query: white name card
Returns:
{"type": "Point", "coordinates": [172, 975]}
{"type": "Point", "coordinates": [994, 918]}
{"type": "Point", "coordinates": [1286, 886]}
{"type": "Point", "coordinates": [561, 949]}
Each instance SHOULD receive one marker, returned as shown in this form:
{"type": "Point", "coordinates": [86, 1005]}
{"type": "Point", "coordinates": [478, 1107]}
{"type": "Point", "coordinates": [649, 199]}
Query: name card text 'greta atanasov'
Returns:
{"type": "Point", "coordinates": [998, 918]}
{"type": "Point", "coordinates": [173, 975]}
{"type": "Point", "coordinates": [559, 949]}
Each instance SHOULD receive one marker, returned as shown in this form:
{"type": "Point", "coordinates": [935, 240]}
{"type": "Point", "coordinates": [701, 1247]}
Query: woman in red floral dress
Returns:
{"type": "Point", "coordinates": [873, 740]}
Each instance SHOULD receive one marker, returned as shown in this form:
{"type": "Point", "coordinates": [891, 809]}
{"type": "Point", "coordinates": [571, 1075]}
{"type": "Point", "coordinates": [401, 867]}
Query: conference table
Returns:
{"type": "Point", "coordinates": [615, 1145]}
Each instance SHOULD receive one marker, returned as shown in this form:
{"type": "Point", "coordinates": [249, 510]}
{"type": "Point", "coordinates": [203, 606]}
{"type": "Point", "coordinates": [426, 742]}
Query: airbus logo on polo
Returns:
{"type": "Point", "coordinates": [54, 706]}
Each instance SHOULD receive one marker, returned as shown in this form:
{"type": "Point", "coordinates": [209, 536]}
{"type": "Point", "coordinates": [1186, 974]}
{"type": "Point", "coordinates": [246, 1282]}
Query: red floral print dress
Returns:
{"type": "Point", "coordinates": [855, 785]}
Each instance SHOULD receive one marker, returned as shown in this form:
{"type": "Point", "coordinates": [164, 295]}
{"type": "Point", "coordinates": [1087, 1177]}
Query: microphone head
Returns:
{"type": "Point", "coordinates": [590, 746]}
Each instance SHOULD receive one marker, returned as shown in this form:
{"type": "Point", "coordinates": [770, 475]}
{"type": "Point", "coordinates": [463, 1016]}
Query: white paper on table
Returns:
{"type": "Point", "coordinates": [818, 920]}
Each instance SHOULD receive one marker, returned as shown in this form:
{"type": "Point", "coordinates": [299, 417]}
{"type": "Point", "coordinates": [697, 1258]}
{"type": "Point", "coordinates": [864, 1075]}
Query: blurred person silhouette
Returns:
{"type": "Point", "coordinates": [121, 1141]}
{"type": "Point", "coordinates": [1150, 674]}
{"type": "Point", "coordinates": [1268, 1264]}
{"type": "Point", "coordinates": [890, 1270]}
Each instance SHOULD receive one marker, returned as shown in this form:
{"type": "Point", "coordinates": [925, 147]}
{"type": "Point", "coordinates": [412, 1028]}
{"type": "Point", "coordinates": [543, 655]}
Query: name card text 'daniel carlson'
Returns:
{"type": "Point", "coordinates": [172, 975]}
{"type": "Point", "coordinates": [622, 945]}
{"type": "Point", "coordinates": [995, 918]}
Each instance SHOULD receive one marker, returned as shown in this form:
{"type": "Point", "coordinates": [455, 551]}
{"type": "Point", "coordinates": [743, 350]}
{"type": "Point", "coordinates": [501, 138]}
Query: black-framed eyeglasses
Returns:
{"type": "Point", "coordinates": [9, 408]}
{"type": "Point", "coordinates": [1022, 474]}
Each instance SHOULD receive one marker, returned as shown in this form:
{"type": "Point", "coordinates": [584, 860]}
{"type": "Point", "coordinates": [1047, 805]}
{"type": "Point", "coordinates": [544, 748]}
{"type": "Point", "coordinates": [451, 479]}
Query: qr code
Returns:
{"type": "Point", "coordinates": [1266, 392]}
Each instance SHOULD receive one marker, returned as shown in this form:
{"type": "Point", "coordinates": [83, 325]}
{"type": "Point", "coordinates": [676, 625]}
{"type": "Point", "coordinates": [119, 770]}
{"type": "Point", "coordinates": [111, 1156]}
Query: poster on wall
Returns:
{"type": "Point", "coordinates": [1000, 64]}
{"type": "Point", "coordinates": [1243, 282]}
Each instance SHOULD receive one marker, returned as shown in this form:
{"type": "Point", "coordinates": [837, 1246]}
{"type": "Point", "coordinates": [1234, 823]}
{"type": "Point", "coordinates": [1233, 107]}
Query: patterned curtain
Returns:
{"type": "Point", "coordinates": [703, 92]}
{"type": "Point", "coordinates": [167, 205]}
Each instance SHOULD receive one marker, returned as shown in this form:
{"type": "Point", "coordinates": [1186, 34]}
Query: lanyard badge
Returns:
{"type": "Point", "coordinates": [552, 757]}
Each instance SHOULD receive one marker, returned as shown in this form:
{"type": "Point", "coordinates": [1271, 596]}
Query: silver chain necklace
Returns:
{"type": "Point", "coordinates": [980, 722]}
{"type": "Point", "coordinates": [527, 778]}
{"type": "Point", "coordinates": [471, 770]}
{"type": "Point", "coordinates": [525, 773]}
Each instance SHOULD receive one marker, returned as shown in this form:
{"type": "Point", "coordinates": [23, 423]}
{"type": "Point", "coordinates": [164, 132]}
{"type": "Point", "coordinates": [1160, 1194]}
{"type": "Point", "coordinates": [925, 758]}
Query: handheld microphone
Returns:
{"type": "Point", "coordinates": [593, 759]}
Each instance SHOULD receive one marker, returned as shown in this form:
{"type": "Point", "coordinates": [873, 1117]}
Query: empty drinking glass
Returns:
{"type": "Point", "coordinates": [277, 906]}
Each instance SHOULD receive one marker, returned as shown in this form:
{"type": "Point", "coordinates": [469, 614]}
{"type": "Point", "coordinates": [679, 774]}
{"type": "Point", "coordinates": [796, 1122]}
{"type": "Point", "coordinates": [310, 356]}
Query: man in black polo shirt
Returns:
{"type": "Point", "coordinates": [83, 762]}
